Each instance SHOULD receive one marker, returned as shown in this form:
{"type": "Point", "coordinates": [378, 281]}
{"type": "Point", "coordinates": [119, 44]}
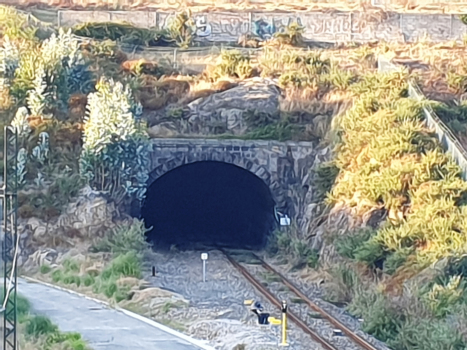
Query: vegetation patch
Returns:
{"type": "Point", "coordinates": [119, 276]}
{"type": "Point", "coordinates": [389, 161]}
{"type": "Point", "coordinates": [38, 332]}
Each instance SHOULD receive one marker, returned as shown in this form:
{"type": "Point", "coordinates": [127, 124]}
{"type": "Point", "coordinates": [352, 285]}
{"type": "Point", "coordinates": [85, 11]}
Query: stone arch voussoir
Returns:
{"type": "Point", "coordinates": [230, 158]}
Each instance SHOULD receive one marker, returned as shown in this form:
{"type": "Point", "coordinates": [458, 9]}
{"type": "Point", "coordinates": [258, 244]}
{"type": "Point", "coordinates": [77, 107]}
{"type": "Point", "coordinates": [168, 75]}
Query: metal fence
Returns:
{"type": "Point", "coordinates": [449, 141]}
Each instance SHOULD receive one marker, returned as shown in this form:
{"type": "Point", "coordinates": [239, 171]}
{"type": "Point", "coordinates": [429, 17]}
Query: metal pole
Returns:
{"type": "Point", "coordinates": [284, 324]}
{"type": "Point", "coordinates": [204, 257]}
{"type": "Point", "coordinates": [204, 270]}
{"type": "Point", "coordinates": [8, 197]}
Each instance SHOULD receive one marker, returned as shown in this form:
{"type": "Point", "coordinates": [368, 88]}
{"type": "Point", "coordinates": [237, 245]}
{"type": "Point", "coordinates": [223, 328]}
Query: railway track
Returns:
{"type": "Point", "coordinates": [293, 316]}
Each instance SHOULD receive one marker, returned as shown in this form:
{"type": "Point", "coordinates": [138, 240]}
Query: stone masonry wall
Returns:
{"type": "Point", "coordinates": [280, 165]}
{"type": "Point", "coordinates": [319, 26]}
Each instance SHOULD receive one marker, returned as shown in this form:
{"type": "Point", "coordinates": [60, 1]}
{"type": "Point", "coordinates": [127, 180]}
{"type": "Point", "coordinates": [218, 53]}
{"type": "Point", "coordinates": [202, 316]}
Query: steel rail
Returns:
{"type": "Point", "coordinates": [331, 319]}
{"type": "Point", "coordinates": [278, 303]}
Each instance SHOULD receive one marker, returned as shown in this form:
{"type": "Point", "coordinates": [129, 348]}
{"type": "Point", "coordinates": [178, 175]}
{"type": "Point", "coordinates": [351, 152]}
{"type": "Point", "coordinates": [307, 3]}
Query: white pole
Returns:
{"type": "Point", "coordinates": [204, 270]}
{"type": "Point", "coordinates": [204, 257]}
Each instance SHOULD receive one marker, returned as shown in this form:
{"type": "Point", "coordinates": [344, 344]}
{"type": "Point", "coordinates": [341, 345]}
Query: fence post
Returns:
{"type": "Point", "coordinates": [59, 19]}
{"type": "Point", "coordinates": [250, 22]}
{"type": "Point", "coordinates": [450, 26]}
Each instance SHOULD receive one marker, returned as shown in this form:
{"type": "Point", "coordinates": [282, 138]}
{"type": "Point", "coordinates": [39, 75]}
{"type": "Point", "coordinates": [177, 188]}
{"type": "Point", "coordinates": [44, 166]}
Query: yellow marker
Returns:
{"type": "Point", "coordinates": [274, 321]}
{"type": "Point", "coordinates": [248, 302]}
{"type": "Point", "coordinates": [284, 324]}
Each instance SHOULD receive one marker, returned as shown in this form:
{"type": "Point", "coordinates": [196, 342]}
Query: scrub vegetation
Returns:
{"type": "Point", "coordinates": [113, 268]}
{"type": "Point", "coordinates": [54, 90]}
{"type": "Point", "coordinates": [388, 160]}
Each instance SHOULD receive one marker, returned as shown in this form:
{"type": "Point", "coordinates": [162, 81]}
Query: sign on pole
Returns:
{"type": "Point", "coordinates": [285, 221]}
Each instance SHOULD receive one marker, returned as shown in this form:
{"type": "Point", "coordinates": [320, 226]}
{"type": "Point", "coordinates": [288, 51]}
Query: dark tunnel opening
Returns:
{"type": "Point", "coordinates": [211, 204]}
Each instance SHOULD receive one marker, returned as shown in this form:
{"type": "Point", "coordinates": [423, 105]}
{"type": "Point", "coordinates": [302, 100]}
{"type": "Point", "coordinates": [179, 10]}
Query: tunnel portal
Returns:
{"type": "Point", "coordinates": [209, 203]}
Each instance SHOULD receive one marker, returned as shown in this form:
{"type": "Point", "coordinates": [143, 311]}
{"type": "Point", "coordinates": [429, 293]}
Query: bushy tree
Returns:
{"type": "Point", "coordinates": [9, 60]}
{"type": "Point", "coordinates": [116, 149]}
{"type": "Point", "coordinates": [46, 74]}
{"type": "Point", "coordinates": [64, 66]}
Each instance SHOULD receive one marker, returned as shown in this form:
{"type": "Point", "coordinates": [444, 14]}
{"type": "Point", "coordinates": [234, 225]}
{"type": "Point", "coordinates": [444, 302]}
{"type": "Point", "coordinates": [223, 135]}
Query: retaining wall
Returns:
{"type": "Point", "coordinates": [319, 26]}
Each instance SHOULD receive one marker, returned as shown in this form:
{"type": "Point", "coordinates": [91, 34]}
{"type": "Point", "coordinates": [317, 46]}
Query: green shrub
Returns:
{"type": "Point", "coordinates": [128, 264]}
{"type": "Point", "coordinates": [341, 288]}
{"type": "Point", "coordinates": [23, 305]}
{"type": "Point", "coordinates": [396, 259]}
{"type": "Point", "coordinates": [347, 245]}
{"type": "Point", "coordinates": [70, 340]}
{"type": "Point", "coordinates": [442, 298]}
{"type": "Point", "coordinates": [325, 176]}
{"type": "Point", "coordinates": [181, 29]}
{"type": "Point", "coordinates": [15, 24]}
{"type": "Point", "coordinates": [45, 269]}
{"type": "Point", "coordinates": [281, 131]}
{"type": "Point", "coordinates": [116, 147]}
{"type": "Point", "coordinates": [371, 252]}
{"type": "Point", "coordinates": [40, 325]}
{"type": "Point", "coordinates": [70, 265]}
{"type": "Point", "coordinates": [233, 63]}
{"type": "Point", "coordinates": [122, 32]}
{"type": "Point", "coordinates": [426, 334]}
{"type": "Point", "coordinates": [87, 280]}
{"type": "Point", "coordinates": [379, 319]}
{"type": "Point", "coordinates": [123, 238]}
{"type": "Point", "coordinates": [57, 276]}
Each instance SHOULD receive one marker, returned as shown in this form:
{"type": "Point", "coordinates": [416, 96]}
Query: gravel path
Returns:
{"type": "Point", "coordinates": [217, 312]}
{"type": "Point", "coordinates": [103, 328]}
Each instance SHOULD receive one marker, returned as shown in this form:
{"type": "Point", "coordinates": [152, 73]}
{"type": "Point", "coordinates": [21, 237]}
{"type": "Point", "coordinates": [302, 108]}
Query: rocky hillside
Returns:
{"type": "Point", "coordinates": [381, 212]}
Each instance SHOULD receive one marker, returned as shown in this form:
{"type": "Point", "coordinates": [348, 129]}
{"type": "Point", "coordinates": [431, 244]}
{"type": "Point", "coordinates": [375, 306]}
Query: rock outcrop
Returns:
{"type": "Point", "coordinates": [87, 216]}
{"type": "Point", "coordinates": [221, 112]}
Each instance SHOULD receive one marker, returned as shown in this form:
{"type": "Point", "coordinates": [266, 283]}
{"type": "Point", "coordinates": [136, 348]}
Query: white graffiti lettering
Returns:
{"type": "Point", "coordinates": [203, 28]}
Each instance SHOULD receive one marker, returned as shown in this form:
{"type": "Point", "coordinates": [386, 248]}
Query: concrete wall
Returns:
{"type": "Point", "coordinates": [320, 26]}
{"type": "Point", "coordinates": [279, 165]}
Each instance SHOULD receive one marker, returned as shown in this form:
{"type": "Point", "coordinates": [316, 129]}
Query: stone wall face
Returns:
{"type": "Point", "coordinates": [280, 165]}
{"type": "Point", "coordinates": [319, 26]}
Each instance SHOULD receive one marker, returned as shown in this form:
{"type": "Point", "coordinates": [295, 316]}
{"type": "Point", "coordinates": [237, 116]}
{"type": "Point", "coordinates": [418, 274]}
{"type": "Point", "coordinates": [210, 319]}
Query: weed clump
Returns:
{"type": "Point", "coordinates": [129, 236]}
{"type": "Point", "coordinates": [234, 64]}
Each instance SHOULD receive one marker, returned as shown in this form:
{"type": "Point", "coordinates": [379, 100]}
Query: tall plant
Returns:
{"type": "Point", "coordinates": [65, 66]}
{"type": "Point", "coordinates": [116, 149]}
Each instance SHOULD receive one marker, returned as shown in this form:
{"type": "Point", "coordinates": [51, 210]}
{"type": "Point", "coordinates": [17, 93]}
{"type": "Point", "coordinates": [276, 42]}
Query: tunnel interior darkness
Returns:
{"type": "Point", "coordinates": [209, 204]}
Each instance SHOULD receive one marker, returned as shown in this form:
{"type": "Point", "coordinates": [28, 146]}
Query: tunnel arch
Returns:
{"type": "Point", "coordinates": [187, 158]}
{"type": "Point", "coordinates": [209, 202]}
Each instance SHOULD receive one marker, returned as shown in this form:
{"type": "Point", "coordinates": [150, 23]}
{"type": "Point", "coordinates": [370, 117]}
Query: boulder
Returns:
{"type": "Point", "coordinates": [163, 130]}
{"type": "Point", "coordinates": [225, 110]}
{"type": "Point", "coordinates": [89, 213]}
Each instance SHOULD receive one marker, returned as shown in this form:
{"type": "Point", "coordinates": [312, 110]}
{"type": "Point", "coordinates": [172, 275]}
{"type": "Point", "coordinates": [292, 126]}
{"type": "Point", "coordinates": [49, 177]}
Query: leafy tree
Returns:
{"type": "Point", "coordinates": [115, 151]}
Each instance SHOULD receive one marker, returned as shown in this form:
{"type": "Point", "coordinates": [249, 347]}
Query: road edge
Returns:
{"type": "Point", "coordinates": [199, 343]}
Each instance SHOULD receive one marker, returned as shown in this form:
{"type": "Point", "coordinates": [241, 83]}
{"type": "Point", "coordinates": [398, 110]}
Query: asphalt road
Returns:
{"type": "Point", "coordinates": [102, 327]}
